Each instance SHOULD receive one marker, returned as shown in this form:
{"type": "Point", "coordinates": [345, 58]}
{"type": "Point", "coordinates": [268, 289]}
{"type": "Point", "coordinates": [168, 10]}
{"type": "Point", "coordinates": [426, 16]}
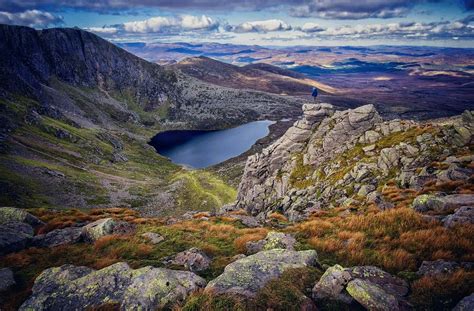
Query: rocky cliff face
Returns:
{"type": "Point", "coordinates": [32, 59]}
{"type": "Point", "coordinates": [330, 158]}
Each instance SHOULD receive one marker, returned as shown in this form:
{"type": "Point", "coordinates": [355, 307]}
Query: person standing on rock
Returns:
{"type": "Point", "coordinates": [314, 93]}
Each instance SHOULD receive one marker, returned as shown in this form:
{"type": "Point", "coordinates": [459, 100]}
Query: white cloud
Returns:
{"type": "Point", "coordinates": [31, 18]}
{"type": "Point", "coordinates": [312, 27]}
{"type": "Point", "coordinates": [262, 26]}
{"type": "Point", "coordinates": [103, 30]}
{"type": "Point", "coordinates": [179, 23]}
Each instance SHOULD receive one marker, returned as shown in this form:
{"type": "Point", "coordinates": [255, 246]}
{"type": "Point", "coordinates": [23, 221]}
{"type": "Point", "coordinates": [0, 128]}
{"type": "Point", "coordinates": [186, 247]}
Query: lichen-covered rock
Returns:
{"type": "Point", "coordinates": [12, 214]}
{"type": "Point", "coordinates": [371, 296]}
{"type": "Point", "coordinates": [78, 288]}
{"type": "Point", "coordinates": [247, 275]}
{"type": "Point", "coordinates": [442, 204]}
{"type": "Point", "coordinates": [107, 226]}
{"type": "Point", "coordinates": [58, 237]}
{"type": "Point", "coordinates": [14, 236]}
{"type": "Point", "coordinates": [466, 304]}
{"type": "Point", "coordinates": [6, 279]}
{"type": "Point", "coordinates": [332, 283]}
{"type": "Point", "coordinates": [154, 238]}
{"type": "Point", "coordinates": [391, 284]}
{"type": "Point", "coordinates": [273, 240]}
{"type": "Point", "coordinates": [192, 259]}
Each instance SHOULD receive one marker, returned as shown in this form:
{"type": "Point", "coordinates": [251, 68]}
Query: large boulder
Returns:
{"type": "Point", "coordinates": [70, 287]}
{"type": "Point", "coordinates": [107, 226]}
{"type": "Point", "coordinates": [368, 285]}
{"type": "Point", "coordinates": [371, 296]}
{"type": "Point", "coordinates": [6, 279]}
{"type": "Point", "coordinates": [14, 236]}
{"type": "Point", "coordinates": [58, 237]}
{"type": "Point", "coordinates": [12, 214]}
{"type": "Point", "coordinates": [273, 240]}
{"type": "Point", "coordinates": [391, 284]}
{"type": "Point", "coordinates": [247, 275]}
{"type": "Point", "coordinates": [192, 259]}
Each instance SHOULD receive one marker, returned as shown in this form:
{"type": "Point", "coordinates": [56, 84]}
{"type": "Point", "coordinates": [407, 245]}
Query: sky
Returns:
{"type": "Point", "coordinates": [448, 23]}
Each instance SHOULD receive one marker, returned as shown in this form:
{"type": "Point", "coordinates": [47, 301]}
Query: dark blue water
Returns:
{"type": "Point", "coordinates": [200, 149]}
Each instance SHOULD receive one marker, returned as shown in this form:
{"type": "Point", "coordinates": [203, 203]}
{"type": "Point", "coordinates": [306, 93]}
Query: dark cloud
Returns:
{"type": "Point", "coordinates": [347, 9]}
{"type": "Point", "coordinates": [111, 6]}
{"type": "Point", "coordinates": [31, 18]}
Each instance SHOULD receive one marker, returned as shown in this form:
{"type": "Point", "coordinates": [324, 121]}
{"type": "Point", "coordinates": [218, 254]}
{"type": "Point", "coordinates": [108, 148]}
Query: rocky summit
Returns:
{"type": "Point", "coordinates": [330, 158]}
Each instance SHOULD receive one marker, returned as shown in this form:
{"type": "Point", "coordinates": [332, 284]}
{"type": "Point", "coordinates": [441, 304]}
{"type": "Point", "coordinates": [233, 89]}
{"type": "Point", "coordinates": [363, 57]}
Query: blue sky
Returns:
{"type": "Point", "coordinates": [263, 22]}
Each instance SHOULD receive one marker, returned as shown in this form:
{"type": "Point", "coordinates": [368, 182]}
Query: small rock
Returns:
{"type": "Point", "coordinates": [371, 296]}
{"type": "Point", "coordinates": [12, 214]}
{"type": "Point", "coordinates": [437, 267]}
{"type": "Point", "coordinates": [273, 240]}
{"type": "Point", "coordinates": [6, 279]}
{"type": "Point", "coordinates": [107, 226]}
{"type": "Point", "coordinates": [247, 275]}
{"type": "Point", "coordinates": [154, 238]}
{"type": "Point", "coordinates": [248, 221]}
{"type": "Point", "coordinates": [58, 237]}
{"type": "Point", "coordinates": [463, 215]}
{"type": "Point", "coordinates": [192, 259]}
{"type": "Point", "coordinates": [332, 283]}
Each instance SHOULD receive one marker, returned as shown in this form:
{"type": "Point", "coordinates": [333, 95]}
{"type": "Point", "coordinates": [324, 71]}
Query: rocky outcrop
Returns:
{"type": "Point", "coordinates": [273, 240]}
{"type": "Point", "coordinates": [12, 214]}
{"type": "Point", "coordinates": [331, 158]}
{"type": "Point", "coordinates": [370, 286]}
{"type": "Point", "coordinates": [78, 288]}
{"type": "Point", "coordinates": [14, 236]}
{"type": "Point", "coordinates": [107, 226]}
{"type": "Point", "coordinates": [247, 275]}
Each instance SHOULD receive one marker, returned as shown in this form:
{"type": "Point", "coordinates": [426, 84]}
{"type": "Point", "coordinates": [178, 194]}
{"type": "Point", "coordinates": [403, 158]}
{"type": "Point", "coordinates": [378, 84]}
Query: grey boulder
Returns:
{"type": "Point", "coordinates": [70, 287]}
{"type": "Point", "coordinates": [12, 214]}
{"type": "Point", "coordinates": [58, 237]}
{"type": "Point", "coordinates": [247, 275]}
{"type": "Point", "coordinates": [107, 226]}
{"type": "Point", "coordinates": [14, 236]}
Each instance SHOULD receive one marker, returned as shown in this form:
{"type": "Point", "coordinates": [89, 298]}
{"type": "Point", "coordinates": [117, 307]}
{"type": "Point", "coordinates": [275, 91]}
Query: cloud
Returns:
{"type": "Point", "coordinates": [103, 30]}
{"type": "Point", "coordinates": [262, 26]}
{"type": "Point", "coordinates": [347, 9]}
{"type": "Point", "coordinates": [107, 6]}
{"type": "Point", "coordinates": [406, 30]}
{"type": "Point", "coordinates": [312, 27]}
{"type": "Point", "coordinates": [171, 24]}
{"type": "Point", "coordinates": [31, 18]}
